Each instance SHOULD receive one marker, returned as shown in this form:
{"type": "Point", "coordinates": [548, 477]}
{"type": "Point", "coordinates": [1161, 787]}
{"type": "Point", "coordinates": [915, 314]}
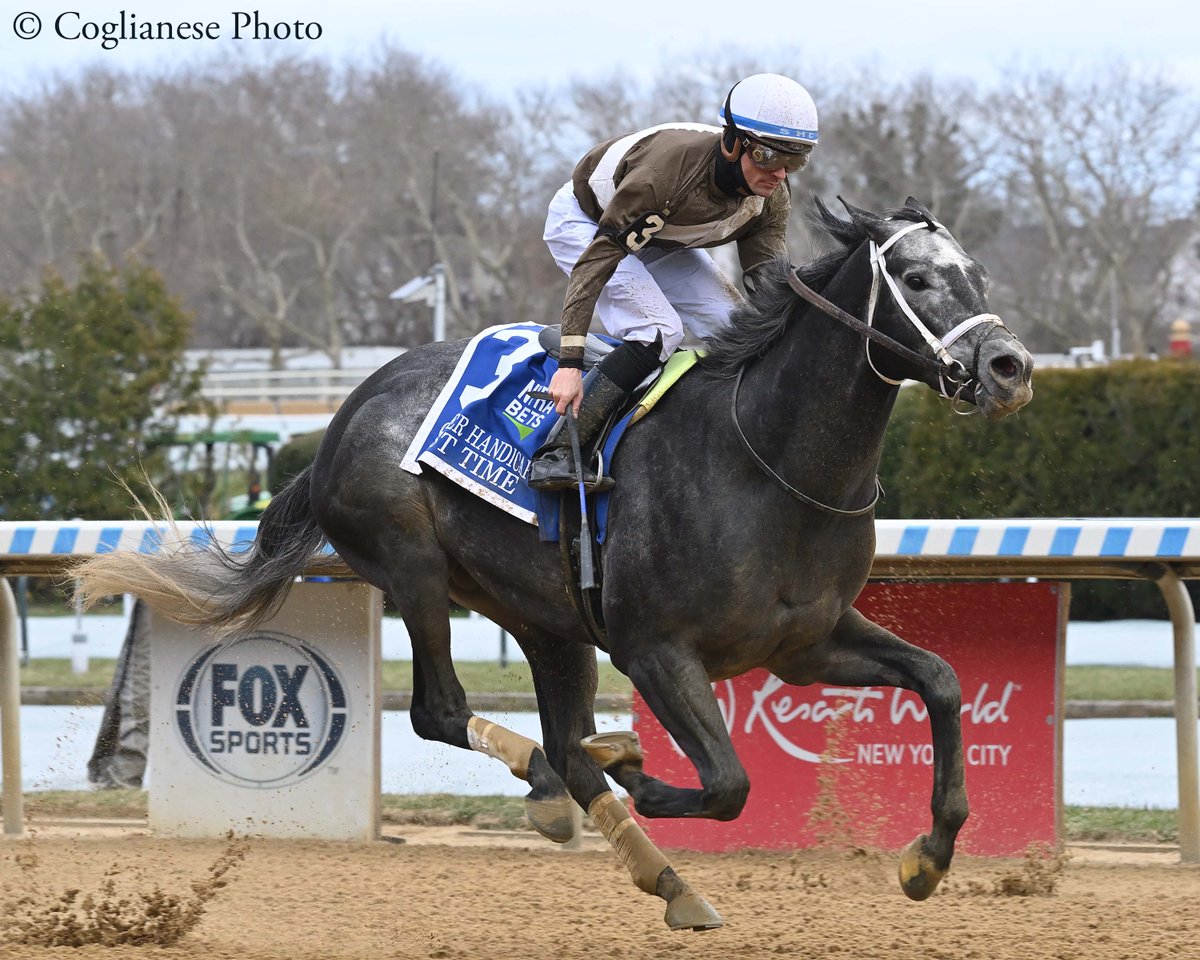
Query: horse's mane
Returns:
{"type": "Point", "coordinates": [757, 324]}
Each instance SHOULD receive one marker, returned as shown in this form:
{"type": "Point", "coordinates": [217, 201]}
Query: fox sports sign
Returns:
{"type": "Point", "coordinates": [266, 711]}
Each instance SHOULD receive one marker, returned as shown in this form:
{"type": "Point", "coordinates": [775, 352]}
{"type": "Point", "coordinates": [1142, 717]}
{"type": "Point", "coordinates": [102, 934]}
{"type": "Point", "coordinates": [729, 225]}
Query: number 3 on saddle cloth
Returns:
{"type": "Point", "coordinates": [484, 427]}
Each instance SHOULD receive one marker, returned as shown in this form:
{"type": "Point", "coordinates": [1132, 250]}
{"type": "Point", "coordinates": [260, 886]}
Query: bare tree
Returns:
{"type": "Point", "coordinates": [1098, 176]}
{"type": "Point", "coordinates": [882, 142]}
{"type": "Point", "coordinates": [89, 169]}
{"type": "Point", "coordinates": [283, 200]}
{"type": "Point", "coordinates": [298, 205]}
{"type": "Point", "coordinates": [457, 181]}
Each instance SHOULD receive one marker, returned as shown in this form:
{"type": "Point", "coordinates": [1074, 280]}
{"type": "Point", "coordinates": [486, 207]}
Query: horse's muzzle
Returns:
{"type": "Point", "coordinates": [1003, 376]}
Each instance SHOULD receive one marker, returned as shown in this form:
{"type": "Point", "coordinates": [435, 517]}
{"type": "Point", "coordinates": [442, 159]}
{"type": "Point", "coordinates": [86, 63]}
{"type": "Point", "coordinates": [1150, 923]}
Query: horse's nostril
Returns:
{"type": "Point", "coordinates": [1005, 366]}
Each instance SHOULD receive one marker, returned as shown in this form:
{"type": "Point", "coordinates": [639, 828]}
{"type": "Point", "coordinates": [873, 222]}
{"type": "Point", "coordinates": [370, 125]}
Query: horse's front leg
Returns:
{"type": "Point", "coordinates": [861, 653]}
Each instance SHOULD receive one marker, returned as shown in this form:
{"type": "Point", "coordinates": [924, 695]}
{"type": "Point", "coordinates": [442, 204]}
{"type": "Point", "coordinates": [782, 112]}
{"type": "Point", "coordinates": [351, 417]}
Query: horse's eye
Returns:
{"type": "Point", "coordinates": [915, 281]}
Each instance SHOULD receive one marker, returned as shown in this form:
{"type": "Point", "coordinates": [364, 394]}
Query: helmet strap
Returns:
{"type": "Point", "coordinates": [731, 144]}
{"type": "Point", "coordinates": [731, 141]}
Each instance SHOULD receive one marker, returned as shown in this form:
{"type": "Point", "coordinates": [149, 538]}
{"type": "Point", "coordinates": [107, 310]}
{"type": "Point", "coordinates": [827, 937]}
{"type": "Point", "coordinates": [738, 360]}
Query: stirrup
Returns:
{"type": "Point", "coordinates": [554, 470]}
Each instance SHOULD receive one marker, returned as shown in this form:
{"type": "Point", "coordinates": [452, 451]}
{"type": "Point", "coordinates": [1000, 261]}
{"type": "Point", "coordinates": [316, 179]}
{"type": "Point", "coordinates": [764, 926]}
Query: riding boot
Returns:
{"type": "Point", "coordinates": [553, 466]}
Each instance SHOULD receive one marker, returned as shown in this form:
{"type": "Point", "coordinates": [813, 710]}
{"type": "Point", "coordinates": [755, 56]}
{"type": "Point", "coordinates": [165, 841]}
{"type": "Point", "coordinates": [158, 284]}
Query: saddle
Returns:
{"type": "Point", "coordinates": [586, 600]}
{"type": "Point", "coordinates": [594, 349]}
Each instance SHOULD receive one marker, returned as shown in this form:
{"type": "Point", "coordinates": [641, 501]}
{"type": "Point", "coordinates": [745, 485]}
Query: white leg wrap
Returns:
{"type": "Point", "coordinates": [501, 743]}
{"type": "Point", "coordinates": [642, 857]}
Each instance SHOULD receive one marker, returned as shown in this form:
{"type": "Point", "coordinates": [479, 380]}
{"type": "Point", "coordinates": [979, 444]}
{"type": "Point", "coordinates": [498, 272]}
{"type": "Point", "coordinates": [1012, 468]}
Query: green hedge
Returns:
{"type": "Point", "coordinates": [1113, 441]}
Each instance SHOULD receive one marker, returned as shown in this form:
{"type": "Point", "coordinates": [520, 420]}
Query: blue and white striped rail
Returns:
{"type": "Point", "coordinates": [51, 543]}
{"type": "Point", "coordinates": [48, 545]}
{"type": "Point", "coordinates": [53, 538]}
{"type": "Point", "coordinates": [1103, 539]}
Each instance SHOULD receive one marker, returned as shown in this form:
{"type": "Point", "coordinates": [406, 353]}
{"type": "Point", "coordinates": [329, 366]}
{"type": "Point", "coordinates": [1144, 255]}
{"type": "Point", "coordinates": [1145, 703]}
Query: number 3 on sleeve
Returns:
{"type": "Point", "coordinates": [641, 231]}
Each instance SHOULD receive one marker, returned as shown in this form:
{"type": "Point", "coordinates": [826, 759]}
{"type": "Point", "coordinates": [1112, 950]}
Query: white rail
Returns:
{"type": "Point", "coordinates": [1165, 550]}
{"type": "Point", "coordinates": [269, 386]}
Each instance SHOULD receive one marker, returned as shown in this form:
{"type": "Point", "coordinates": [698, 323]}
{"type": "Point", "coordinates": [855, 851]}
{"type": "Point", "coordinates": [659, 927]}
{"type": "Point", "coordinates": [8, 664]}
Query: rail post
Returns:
{"type": "Point", "coordinates": [1183, 624]}
{"type": "Point", "coordinates": [10, 713]}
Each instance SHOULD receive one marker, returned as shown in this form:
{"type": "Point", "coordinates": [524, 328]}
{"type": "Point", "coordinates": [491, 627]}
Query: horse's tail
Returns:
{"type": "Point", "coordinates": [207, 585]}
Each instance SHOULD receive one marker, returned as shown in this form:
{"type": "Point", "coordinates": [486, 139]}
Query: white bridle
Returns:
{"type": "Point", "coordinates": [939, 347]}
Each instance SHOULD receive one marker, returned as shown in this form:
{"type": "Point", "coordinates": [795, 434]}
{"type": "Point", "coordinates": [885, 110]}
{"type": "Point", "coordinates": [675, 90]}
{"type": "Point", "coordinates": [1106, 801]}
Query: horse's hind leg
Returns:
{"type": "Point", "coordinates": [564, 676]}
{"type": "Point", "coordinates": [439, 712]}
{"type": "Point", "coordinates": [418, 583]}
{"type": "Point", "coordinates": [862, 653]}
{"type": "Point", "coordinates": [436, 716]}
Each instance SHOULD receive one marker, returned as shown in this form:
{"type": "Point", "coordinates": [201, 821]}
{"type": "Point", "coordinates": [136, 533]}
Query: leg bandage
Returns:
{"type": "Point", "coordinates": [496, 741]}
{"type": "Point", "coordinates": [642, 857]}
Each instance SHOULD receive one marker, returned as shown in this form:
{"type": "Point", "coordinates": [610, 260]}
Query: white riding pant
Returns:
{"type": "Point", "coordinates": [656, 292]}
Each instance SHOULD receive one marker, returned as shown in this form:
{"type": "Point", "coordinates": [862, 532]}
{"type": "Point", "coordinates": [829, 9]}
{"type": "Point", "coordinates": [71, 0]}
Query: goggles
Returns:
{"type": "Point", "coordinates": [772, 158]}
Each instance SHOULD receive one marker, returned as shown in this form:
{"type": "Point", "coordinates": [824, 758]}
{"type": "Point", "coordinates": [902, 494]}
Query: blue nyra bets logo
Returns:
{"type": "Point", "coordinates": [266, 711]}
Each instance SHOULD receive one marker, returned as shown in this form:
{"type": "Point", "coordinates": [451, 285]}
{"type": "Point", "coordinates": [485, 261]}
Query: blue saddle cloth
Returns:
{"type": "Point", "coordinates": [484, 428]}
{"type": "Point", "coordinates": [548, 503]}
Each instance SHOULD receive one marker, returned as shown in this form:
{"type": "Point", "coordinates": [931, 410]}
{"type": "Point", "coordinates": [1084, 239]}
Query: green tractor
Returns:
{"type": "Point", "coordinates": [229, 461]}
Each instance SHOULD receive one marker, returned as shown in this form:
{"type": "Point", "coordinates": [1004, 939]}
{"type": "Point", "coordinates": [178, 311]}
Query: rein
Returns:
{"type": "Point", "coordinates": [787, 487]}
{"type": "Point", "coordinates": [827, 307]}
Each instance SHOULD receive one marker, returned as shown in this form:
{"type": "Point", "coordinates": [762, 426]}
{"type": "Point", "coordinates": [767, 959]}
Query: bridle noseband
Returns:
{"type": "Point", "coordinates": [945, 366]}
{"type": "Point", "coordinates": [939, 347]}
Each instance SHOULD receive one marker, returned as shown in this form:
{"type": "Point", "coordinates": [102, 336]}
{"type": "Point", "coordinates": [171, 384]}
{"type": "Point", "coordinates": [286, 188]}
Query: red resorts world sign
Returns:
{"type": "Point", "coordinates": [841, 766]}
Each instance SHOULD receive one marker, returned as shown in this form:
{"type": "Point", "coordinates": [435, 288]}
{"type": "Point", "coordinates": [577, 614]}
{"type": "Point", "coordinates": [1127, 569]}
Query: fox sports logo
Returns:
{"type": "Point", "coordinates": [266, 711]}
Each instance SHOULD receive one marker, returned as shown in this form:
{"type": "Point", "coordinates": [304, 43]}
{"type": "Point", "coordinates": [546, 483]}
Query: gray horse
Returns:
{"type": "Point", "coordinates": [740, 532]}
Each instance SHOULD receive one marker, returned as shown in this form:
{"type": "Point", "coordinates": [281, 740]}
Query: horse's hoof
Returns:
{"type": "Point", "coordinates": [690, 911]}
{"type": "Point", "coordinates": [609, 749]}
{"type": "Point", "coordinates": [551, 817]}
{"type": "Point", "coordinates": [919, 876]}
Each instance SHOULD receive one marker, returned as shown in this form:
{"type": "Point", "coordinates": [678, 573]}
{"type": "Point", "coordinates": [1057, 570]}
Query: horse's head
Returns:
{"type": "Point", "coordinates": [931, 296]}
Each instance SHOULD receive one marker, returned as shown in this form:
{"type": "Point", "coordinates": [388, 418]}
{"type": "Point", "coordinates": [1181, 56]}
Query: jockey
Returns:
{"type": "Point", "coordinates": [628, 228]}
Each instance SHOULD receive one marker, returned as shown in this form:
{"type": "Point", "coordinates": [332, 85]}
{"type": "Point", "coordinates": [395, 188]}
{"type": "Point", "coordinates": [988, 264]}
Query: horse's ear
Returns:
{"type": "Point", "coordinates": [822, 210]}
{"type": "Point", "coordinates": [873, 226]}
{"type": "Point", "coordinates": [922, 211]}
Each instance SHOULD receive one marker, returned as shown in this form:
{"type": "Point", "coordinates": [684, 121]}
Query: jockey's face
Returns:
{"type": "Point", "coordinates": [761, 182]}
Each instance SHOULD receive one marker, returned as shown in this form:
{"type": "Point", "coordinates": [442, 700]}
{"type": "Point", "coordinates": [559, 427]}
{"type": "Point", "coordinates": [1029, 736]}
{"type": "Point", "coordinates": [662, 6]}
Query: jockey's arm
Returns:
{"type": "Point", "coordinates": [592, 271]}
{"type": "Point", "coordinates": [624, 218]}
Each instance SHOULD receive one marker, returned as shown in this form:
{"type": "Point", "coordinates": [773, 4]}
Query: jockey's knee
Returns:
{"type": "Point", "coordinates": [632, 362]}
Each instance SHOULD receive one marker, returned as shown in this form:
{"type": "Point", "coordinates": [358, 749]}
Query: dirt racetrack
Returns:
{"type": "Point", "coordinates": [450, 893]}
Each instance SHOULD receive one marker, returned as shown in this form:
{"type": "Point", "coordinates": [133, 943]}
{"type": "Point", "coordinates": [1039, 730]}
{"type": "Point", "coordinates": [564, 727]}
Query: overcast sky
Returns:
{"type": "Point", "coordinates": [502, 45]}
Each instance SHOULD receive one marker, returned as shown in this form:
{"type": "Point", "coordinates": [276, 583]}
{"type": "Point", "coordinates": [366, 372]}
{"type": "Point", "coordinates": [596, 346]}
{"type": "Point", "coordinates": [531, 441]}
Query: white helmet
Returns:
{"type": "Point", "coordinates": [773, 109]}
